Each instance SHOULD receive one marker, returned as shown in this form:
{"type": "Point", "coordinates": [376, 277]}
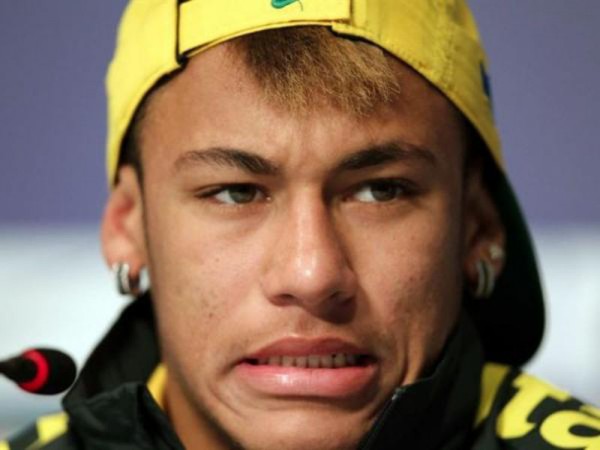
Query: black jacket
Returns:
{"type": "Point", "coordinates": [464, 404]}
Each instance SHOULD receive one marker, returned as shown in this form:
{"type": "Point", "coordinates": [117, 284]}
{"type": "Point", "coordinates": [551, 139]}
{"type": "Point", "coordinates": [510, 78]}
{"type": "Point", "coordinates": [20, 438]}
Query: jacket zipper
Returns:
{"type": "Point", "coordinates": [369, 439]}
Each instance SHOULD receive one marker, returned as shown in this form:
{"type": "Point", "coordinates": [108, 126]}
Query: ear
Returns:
{"type": "Point", "coordinates": [122, 230]}
{"type": "Point", "coordinates": [484, 232]}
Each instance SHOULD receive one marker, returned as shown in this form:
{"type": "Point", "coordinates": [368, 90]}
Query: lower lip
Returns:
{"type": "Point", "coordinates": [341, 383]}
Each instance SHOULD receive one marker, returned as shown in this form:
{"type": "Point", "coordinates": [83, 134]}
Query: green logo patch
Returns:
{"type": "Point", "coordinates": [283, 3]}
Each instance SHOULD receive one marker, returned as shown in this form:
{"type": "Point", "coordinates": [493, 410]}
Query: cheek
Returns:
{"type": "Point", "coordinates": [200, 279]}
{"type": "Point", "coordinates": [192, 254]}
{"type": "Point", "coordinates": [410, 272]}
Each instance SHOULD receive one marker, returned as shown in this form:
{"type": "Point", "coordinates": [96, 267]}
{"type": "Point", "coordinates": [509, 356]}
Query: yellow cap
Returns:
{"type": "Point", "coordinates": [439, 39]}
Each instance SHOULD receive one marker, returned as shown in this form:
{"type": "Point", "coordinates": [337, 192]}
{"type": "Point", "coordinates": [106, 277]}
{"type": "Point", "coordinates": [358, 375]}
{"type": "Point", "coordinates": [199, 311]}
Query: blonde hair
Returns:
{"type": "Point", "coordinates": [299, 66]}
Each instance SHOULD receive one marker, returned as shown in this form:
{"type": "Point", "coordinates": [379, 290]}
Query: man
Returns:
{"type": "Point", "coordinates": [335, 256]}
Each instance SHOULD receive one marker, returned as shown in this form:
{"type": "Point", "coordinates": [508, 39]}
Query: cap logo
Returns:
{"type": "Point", "coordinates": [279, 4]}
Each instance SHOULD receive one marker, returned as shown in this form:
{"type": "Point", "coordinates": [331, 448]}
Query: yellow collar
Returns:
{"type": "Point", "coordinates": [157, 383]}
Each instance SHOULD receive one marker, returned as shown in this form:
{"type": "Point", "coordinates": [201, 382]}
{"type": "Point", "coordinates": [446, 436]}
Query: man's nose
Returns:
{"type": "Point", "coordinates": [308, 265]}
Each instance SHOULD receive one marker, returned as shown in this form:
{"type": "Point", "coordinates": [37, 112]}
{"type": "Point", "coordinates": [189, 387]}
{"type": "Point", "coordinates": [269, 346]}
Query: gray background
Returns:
{"type": "Point", "coordinates": [545, 61]}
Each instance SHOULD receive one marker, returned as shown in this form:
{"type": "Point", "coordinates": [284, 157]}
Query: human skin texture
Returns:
{"type": "Point", "coordinates": [270, 233]}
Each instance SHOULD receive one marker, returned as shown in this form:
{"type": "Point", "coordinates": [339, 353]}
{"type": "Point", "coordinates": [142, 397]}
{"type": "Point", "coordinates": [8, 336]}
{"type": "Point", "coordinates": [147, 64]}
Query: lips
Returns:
{"type": "Point", "coordinates": [328, 368]}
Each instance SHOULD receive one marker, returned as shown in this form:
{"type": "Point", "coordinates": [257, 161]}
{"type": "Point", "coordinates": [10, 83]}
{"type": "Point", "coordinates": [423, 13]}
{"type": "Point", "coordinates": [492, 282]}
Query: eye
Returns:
{"type": "Point", "coordinates": [381, 191]}
{"type": "Point", "coordinates": [235, 194]}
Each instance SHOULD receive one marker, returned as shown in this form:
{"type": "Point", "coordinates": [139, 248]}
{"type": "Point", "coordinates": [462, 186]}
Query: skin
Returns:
{"type": "Point", "coordinates": [312, 254]}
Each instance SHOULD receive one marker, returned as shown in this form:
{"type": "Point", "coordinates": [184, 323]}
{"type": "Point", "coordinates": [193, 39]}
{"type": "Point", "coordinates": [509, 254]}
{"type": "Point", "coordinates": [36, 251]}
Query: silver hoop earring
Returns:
{"type": "Point", "coordinates": [126, 284]}
{"type": "Point", "coordinates": [486, 280]}
{"type": "Point", "coordinates": [497, 253]}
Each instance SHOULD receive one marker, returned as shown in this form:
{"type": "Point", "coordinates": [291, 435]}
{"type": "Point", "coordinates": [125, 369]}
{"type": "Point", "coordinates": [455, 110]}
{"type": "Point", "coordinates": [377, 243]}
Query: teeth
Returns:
{"type": "Point", "coordinates": [275, 360]}
{"type": "Point", "coordinates": [326, 362]}
{"type": "Point", "coordinates": [336, 360]}
{"type": "Point", "coordinates": [301, 361]}
{"type": "Point", "coordinates": [287, 361]}
{"type": "Point", "coordinates": [339, 360]}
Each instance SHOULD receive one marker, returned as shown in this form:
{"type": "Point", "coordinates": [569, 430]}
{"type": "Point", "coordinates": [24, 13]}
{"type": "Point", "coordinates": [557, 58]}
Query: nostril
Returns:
{"type": "Point", "coordinates": [340, 298]}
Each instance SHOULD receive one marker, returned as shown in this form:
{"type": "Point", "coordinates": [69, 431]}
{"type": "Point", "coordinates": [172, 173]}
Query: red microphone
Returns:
{"type": "Point", "coordinates": [41, 371]}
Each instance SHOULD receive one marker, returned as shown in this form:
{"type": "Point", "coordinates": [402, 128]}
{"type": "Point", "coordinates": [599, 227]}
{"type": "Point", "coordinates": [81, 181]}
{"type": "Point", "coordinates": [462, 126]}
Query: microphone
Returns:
{"type": "Point", "coordinates": [41, 371]}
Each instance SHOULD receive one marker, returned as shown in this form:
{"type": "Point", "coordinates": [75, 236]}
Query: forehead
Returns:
{"type": "Point", "coordinates": [225, 66]}
{"type": "Point", "coordinates": [216, 100]}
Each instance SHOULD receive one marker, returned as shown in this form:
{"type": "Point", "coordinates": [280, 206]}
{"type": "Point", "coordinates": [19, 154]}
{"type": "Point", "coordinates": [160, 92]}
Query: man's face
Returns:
{"type": "Point", "coordinates": [302, 265]}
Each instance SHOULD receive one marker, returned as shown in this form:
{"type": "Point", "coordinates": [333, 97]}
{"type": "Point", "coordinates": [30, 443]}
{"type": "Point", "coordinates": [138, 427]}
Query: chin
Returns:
{"type": "Point", "coordinates": [307, 431]}
{"type": "Point", "coordinates": [304, 441]}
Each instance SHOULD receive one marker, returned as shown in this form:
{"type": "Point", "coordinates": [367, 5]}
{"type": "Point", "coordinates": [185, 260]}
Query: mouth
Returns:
{"type": "Point", "coordinates": [329, 361]}
{"type": "Point", "coordinates": [326, 368]}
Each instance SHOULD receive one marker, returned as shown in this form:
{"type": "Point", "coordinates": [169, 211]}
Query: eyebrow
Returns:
{"type": "Point", "coordinates": [258, 165]}
{"type": "Point", "coordinates": [238, 159]}
{"type": "Point", "coordinates": [386, 153]}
